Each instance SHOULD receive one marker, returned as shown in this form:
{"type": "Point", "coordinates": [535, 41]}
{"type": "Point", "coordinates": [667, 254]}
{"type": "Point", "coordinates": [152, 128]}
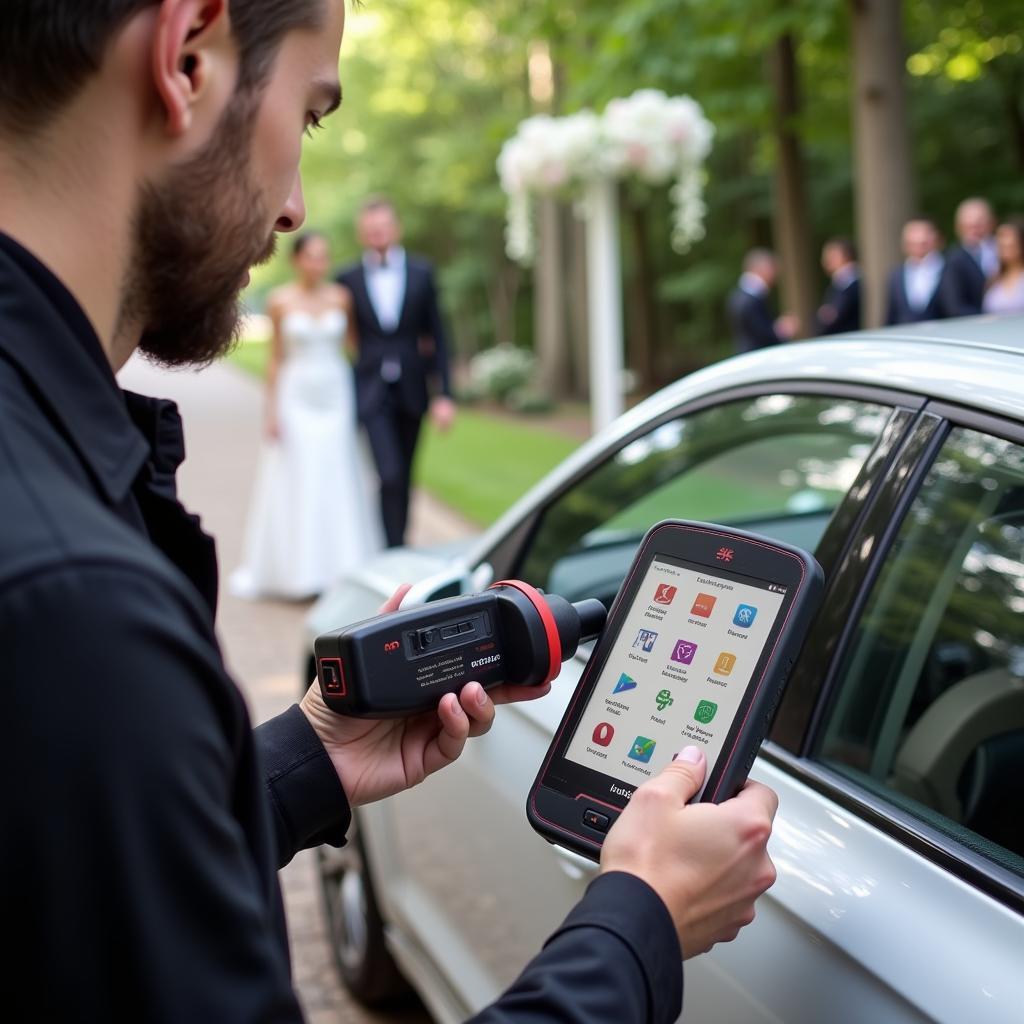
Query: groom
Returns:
{"type": "Point", "coordinates": [401, 344]}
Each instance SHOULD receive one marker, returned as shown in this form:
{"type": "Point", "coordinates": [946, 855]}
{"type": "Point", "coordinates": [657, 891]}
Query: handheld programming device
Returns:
{"type": "Point", "coordinates": [698, 646]}
{"type": "Point", "coordinates": [405, 661]}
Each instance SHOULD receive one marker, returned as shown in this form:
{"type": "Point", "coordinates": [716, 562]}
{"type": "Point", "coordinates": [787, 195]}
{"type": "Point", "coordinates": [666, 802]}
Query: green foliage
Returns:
{"type": "Point", "coordinates": [433, 88]}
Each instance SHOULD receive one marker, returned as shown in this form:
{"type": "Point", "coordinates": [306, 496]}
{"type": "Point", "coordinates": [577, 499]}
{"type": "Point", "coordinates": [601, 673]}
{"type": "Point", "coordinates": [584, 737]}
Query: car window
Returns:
{"type": "Point", "coordinates": [775, 464]}
{"type": "Point", "coordinates": [929, 707]}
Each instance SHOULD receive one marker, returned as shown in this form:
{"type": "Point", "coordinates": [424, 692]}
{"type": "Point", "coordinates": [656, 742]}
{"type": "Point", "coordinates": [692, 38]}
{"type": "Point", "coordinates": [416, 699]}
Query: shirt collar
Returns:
{"type": "Point", "coordinates": [395, 258]}
{"type": "Point", "coordinates": [46, 334]}
{"type": "Point", "coordinates": [753, 285]}
{"type": "Point", "coordinates": [845, 275]}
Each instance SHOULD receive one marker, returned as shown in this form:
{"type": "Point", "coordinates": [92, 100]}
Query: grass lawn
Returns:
{"type": "Point", "coordinates": [480, 467]}
{"type": "Point", "coordinates": [484, 464]}
{"type": "Point", "coordinates": [251, 356]}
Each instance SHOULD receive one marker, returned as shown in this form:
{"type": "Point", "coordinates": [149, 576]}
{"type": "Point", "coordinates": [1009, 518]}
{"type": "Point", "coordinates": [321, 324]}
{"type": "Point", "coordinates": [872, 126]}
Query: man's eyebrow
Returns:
{"type": "Point", "coordinates": [330, 90]}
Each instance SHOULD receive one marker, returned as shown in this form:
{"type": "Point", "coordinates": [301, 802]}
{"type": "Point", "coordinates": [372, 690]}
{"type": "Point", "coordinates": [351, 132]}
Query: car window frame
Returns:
{"type": "Point", "coordinates": [792, 741]}
{"type": "Point", "coordinates": [509, 553]}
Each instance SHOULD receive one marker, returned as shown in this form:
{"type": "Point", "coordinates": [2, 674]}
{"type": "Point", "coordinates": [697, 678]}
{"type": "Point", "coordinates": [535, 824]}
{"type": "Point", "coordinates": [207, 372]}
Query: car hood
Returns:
{"type": "Point", "coordinates": [359, 594]}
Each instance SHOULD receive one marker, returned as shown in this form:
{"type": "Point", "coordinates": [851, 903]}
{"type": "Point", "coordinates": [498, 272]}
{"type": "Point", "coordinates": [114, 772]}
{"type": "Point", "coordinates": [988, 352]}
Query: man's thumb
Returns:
{"type": "Point", "coordinates": [687, 771]}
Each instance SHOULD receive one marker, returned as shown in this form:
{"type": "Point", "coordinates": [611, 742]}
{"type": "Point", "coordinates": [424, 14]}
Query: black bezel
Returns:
{"type": "Point", "coordinates": [696, 546]}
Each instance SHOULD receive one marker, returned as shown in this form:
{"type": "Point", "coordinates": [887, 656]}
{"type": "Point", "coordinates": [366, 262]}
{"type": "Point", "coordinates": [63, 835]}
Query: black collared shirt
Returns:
{"type": "Point", "coordinates": [143, 821]}
{"type": "Point", "coordinates": [139, 848]}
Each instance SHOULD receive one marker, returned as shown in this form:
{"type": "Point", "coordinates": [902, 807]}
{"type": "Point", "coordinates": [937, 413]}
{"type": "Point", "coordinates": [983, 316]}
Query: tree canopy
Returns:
{"type": "Point", "coordinates": [434, 87]}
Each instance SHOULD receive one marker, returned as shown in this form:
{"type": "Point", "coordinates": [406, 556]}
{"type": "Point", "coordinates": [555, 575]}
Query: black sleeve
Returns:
{"type": "Point", "coordinates": [309, 805]}
{"type": "Point", "coordinates": [955, 287]}
{"type": "Point", "coordinates": [434, 326]}
{"type": "Point", "coordinates": [615, 959]}
{"type": "Point", "coordinates": [891, 284]}
{"type": "Point", "coordinates": [136, 833]}
{"type": "Point", "coordinates": [757, 323]}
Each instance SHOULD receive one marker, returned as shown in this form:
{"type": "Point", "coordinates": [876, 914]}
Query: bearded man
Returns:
{"type": "Point", "coordinates": [149, 153]}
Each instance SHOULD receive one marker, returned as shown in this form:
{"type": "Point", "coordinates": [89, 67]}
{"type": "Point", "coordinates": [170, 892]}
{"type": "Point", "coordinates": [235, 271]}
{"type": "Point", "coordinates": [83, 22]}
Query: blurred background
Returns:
{"type": "Point", "coordinates": [832, 117]}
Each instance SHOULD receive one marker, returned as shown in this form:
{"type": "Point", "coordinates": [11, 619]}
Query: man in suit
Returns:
{"type": "Point", "coordinates": [401, 344]}
{"type": "Point", "coordinates": [972, 263]}
{"type": "Point", "coordinates": [912, 290]}
{"type": "Point", "coordinates": [840, 307]}
{"type": "Point", "coordinates": [749, 313]}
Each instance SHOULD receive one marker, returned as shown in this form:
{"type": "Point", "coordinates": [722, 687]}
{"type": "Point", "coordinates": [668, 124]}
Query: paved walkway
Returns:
{"type": "Point", "coordinates": [263, 643]}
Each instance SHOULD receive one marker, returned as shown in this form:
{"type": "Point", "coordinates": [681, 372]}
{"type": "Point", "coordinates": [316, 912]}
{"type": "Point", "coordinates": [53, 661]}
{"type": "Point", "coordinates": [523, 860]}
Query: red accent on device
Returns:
{"type": "Point", "coordinates": [550, 626]}
{"type": "Point", "coordinates": [340, 689]}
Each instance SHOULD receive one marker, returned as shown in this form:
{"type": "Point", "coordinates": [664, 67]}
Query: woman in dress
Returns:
{"type": "Point", "coordinates": [310, 519]}
{"type": "Point", "coordinates": [1005, 292]}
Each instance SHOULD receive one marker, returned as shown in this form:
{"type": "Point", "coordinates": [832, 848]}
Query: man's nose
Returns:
{"type": "Point", "coordinates": [293, 214]}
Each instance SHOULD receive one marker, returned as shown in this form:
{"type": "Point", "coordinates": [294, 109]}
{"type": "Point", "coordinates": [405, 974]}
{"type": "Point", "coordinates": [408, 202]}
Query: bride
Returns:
{"type": "Point", "coordinates": [310, 518]}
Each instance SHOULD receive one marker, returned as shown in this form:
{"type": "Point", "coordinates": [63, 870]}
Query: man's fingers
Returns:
{"type": "Point", "coordinates": [448, 744]}
{"type": "Point", "coordinates": [478, 707]}
{"type": "Point", "coordinates": [754, 795]}
{"type": "Point", "coordinates": [509, 693]}
{"type": "Point", "coordinates": [395, 600]}
{"type": "Point", "coordinates": [686, 772]}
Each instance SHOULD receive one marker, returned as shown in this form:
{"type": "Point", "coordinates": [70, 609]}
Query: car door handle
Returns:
{"type": "Point", "coordinates": [575, 866]}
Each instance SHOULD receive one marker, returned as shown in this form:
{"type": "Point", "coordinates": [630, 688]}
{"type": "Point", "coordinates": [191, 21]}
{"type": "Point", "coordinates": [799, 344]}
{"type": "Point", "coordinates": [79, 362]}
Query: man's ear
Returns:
{"type": "Point", "coordinates": [190, 48]}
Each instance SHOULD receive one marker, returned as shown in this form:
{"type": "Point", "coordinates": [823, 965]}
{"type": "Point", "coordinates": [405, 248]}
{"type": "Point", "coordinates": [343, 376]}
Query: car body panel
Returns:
{"type": "Point", "coordinates": [858, 927]}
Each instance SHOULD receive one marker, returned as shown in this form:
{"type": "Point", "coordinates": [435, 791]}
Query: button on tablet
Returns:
{"type": "Point", "coordinates": [595, 820]}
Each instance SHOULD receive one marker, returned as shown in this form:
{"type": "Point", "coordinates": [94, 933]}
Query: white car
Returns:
{"type": "Point", "coordinates": [897, 457]}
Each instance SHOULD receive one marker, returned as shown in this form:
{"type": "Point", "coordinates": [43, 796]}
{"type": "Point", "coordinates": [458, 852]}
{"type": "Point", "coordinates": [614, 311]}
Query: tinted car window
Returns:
{"type": "Point", "coordinates": [775, 464]}
{"type": "Point", "coordinates": [929, 709]}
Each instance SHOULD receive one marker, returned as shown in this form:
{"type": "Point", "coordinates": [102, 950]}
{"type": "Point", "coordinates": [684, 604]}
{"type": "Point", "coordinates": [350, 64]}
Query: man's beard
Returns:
{"type": "Point", "coordinates": [195, 237]}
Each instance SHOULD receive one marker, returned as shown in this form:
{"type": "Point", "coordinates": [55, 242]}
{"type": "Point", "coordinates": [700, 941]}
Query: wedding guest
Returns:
{"type": "Point", "coordinates": [972, 263]}
{"type": "Point", "coordinates": [1005, 292]}
{"type": "Point", "coordinates": [840, 307]}
{"type": "Point", "coordinates": [913, 287]}
{"type": "Point", "coordinates": [749, 313]}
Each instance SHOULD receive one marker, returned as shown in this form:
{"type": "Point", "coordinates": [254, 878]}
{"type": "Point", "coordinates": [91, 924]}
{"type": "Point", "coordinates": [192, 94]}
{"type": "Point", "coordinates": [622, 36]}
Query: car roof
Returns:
{"type": "Point", "coordinates": [972, 361]}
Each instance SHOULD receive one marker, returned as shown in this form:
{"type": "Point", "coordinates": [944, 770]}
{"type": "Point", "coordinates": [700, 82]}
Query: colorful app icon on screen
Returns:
{"type": "Point", "coordinates": [664, 594]}
{"type": "Point", "coordinates": [684, 652]}
{"type": "Point", "coordinates": [664, 699]}
{"type": "Point", "coordinates": [705, 711]}
{"type": "Point", "coordinates": [724, 664]}
{"type": "Point", "coordinates": [642, 749]}
{"type": "Point", "coordinates": [603, 734]}
{"type": "Point", "coordinates": [745, 615]}
{"type": "Point", "coordinates": [645, 639]}
{"type": "Point", "coordinates": [704, 605]}
{"type": "Point", "coordinates": [625, 683]}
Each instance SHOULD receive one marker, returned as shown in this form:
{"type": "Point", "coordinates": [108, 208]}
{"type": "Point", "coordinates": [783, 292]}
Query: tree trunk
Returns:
{"type": "Point", "coordinates": [792, 226]}
{"type": "Point", "coordinates": [548, 310]}
{"type": "Point", "coordinates": [579, 319]}
{"type": "Point", "coordinates": [643, 341]}
{"type": "Point", "coordinates": [882, 164]}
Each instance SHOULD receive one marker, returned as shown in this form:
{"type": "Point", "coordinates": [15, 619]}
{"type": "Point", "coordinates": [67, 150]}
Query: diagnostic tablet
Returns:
{"type": "Point", "coordinates": [697, 649]}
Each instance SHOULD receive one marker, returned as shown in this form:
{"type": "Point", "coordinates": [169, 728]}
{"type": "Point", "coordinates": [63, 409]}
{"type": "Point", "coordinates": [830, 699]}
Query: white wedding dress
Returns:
{"type": "Point", "coordinates": [311, 517]}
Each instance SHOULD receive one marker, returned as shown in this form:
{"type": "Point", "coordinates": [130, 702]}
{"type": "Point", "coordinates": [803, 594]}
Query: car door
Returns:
{"type": "Point", "coordinates": [898, 756]}
{"type": "Point", "coordinates": [463, 872]}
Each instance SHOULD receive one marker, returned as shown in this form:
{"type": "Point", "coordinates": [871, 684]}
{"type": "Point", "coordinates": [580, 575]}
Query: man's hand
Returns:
{"type": "Point", "coordinates": [442, 412]}
{"type": "Point", "coordinates": [708, 862]}
{"type": "Point", "coordinates": [376, 758]}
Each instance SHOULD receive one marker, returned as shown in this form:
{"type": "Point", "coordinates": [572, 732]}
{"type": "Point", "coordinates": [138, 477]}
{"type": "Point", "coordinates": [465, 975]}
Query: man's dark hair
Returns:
{"type": "Point", "coordinates": [49, 48]}
{"type": "Point", "coordinates": [845, 246]}
{"type": "Point", "coordinates": [304, 239]}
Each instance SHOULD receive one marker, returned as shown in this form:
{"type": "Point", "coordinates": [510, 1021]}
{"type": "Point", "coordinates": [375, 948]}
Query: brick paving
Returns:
{"type": "Point", "coordinates": [222, 409]}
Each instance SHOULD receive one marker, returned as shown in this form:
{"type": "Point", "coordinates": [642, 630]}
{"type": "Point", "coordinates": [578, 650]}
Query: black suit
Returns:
{"type": "Point", "coordinates": [391, 381]}
{"type": "Point", "coordinates": [751, 321]}
{"type": "Point", "coordinates": [898, 309]}
{"type": "Point", "coordinates": [962, 285]}
{"type": "Point", "coordinates": [843, 303]}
